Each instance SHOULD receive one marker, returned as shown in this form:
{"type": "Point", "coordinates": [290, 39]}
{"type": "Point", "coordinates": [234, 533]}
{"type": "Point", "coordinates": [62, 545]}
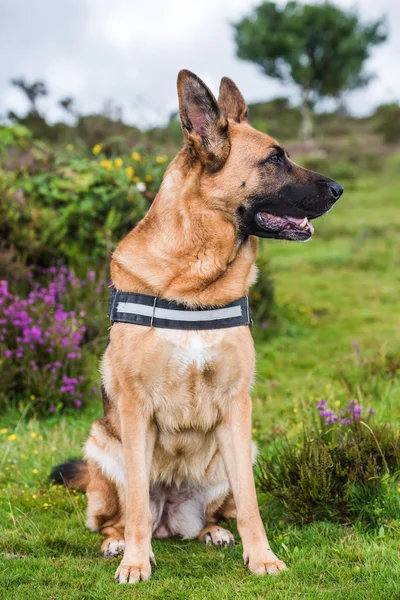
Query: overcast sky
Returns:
{"type": "Point", "coordinates": [131, 50]}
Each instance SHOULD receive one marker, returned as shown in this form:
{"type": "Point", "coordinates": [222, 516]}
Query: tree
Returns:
{"type": "Point", "coordinates": [32, 90]}
{"type": "Point", "coordinates": [68, 104]}
{"type": "Point", "coordinates": [319, 47]}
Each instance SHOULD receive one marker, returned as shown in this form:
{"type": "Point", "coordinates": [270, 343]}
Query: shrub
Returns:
{"type": "Point", "coordinates": [67, 203]}
{"type": "Point", "coordinates": [344, 468]}
{"type": "Point", "coordinates": [44, 362]}
{"type": "Point", "coordinates": [387, 122]}
{"type": "Point", "coordinates": [261, 295]}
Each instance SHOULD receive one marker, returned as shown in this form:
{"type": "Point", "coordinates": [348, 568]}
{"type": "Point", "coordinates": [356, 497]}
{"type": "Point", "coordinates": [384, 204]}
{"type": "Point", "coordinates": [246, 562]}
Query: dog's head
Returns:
{"type": "Point", "coordinates": [245, 173]}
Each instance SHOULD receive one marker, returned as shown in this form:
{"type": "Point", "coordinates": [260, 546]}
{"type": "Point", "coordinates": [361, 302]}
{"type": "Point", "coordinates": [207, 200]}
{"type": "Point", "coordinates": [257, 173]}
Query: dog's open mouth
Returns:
{"type": "Point", "coordinates": [289, 228]}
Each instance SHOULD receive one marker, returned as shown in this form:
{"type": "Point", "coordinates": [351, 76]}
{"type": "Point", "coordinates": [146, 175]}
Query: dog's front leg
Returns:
{"type": "Point", "coordinates": [137, 438]}
{"type": "Point", "coordinates": [234, 440]}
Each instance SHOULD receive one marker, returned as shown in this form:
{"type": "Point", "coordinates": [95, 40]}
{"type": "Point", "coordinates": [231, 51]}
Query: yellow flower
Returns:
{"type": "Point", "coordinates": [12, 437]}
{"type": "Point", "coordinates": [33, 397]}
{"type": "Point", "coordinates": [106, 164]}
{"type": "Point", "coordinates": [35, 471]}
{"type": "Point", "coordinates": [33, 435]}
{"type": "Point", "coordinates": [161, 159]}
{"type": "Point", "coordinates": [148, 178]}
{"type": "Point", "coordinates": [36, 452]}
{"type": "Point", "coordinates": [34, 496]}
{"type": "Point", "coordinates": [69, 147]}
{"type": "Point", "coordinates": [118, 163]}
{"type": "Point", "coordinates": [130, 171]}
{"type": "Point", "coordinates": [4, 430]}
{"type": "Point", "coordinates": [1, 362]}
{"type": "Point", "coordinates": [337, 403]}
{"type": "Point", "coordinates": [53, 449]}
{"type": "Point", "coordinates": [136, 179]}
{"type": "Point", "coordinates": [295, 410]}
{"type": "Point", "coordinates": [136, 156]}
{"type": "Point", "coordinates": [46, 504]}
{"type": "Point", "coordinates": [97, 148]}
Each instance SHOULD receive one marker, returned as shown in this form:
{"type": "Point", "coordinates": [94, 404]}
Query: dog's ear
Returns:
{"type": "Point", "coordinates": [204, 126]}
{"type": "Point", "coordinates": [231, 101]}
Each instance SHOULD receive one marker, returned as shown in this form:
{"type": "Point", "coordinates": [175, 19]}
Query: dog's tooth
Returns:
{"type": "Point", "coordinates": [304, 223]}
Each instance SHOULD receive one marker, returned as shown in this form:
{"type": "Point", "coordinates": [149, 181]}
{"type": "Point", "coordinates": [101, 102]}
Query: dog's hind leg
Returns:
{"type": "Point", "coordinates": [213, 534]}
{"type": "Point", "coordinates": [106, 511]}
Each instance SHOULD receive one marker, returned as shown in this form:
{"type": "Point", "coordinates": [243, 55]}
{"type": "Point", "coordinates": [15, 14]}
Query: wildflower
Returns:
{"type": "Point", "coordinates": [8, 353]}
{"type": "Point", "coordinates": [107, 165]}
{"type": "Point", "coordinates": [148, 178]}
{"type": "Point", "coordinates": [52, 408]}
{"type": "Point", "coordinates": [264, 325]}
{"type": "Point", "coordinates": [321, 404]}
{"type": "Point", "coordinates": [33, 435]}
{"type": "Point", "coordinates": [136, 156]}
{"type": "Point", "coordinates": [118, 163]}
{"type": "Point", "coordinates": [371, 411]}
{"type": "Point", "coordinates": [32, 397]}
{"type": "Point", "coordinates": [4, 430]}
{"type": "Point", "coordinates": [345, 421]}
{"type": "Point", "coordinates": [141, 186]}
{"type": "Point", "coordinates": [97, 149]}
{"type": "Point", "coordinates": [35, 471]}
{"type": "Point", "coordinates": [130, 171]}
{"type": "Point", "coordinates": [161, 159]}
{"type": "Point", "coordinates": [69, 147]}
{"type": "Point", "coordinates": [12, 437]}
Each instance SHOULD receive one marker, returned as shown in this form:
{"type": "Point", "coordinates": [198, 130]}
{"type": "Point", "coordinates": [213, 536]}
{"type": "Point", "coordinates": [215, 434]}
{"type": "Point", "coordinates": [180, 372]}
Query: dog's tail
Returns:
{"type": "Point", "coordinates": [73, 474]}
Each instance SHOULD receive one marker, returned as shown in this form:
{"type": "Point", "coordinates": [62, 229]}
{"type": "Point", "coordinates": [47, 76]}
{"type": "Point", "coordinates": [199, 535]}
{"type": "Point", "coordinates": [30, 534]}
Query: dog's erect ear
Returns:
{"type": "Point", "coordinates": [204, 126]}
{"type": "Point", "coordinates": [231, 101]}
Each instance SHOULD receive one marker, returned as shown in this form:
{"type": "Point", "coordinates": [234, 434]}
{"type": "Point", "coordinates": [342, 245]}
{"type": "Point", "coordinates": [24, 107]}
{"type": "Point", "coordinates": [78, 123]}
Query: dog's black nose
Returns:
{"type": "Point", "coordinates": [336, 190]}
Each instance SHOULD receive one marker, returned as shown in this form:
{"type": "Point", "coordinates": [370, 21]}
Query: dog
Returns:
{"type": "Point", "coordinates": [173, 452]}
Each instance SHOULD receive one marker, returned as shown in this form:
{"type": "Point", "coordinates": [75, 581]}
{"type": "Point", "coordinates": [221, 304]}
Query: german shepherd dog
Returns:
{"type": "Point", "coordinates": [173, 452]}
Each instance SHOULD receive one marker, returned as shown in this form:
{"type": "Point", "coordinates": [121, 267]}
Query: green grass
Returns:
{"type": "Point", "coordinates": [340, 288]}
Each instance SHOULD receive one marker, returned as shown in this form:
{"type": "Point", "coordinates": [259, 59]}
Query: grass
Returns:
{"type": "Point", "coordinates": [340, 288]}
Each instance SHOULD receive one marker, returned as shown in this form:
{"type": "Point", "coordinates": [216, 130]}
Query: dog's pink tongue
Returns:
{"type": "Point", "coordinates": [299, 222]}
{"type": "Point", "coordinates": [295, 220]}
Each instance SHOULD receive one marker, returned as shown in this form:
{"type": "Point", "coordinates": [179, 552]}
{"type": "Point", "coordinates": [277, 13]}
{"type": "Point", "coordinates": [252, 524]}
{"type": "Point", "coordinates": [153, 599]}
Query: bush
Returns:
{"type": "Point", "coordinates": [261, 295]}
{"type": "Point", "coordinates": [387, 122]}
{"type": "Point", "coordinates": [343, 469]}
{"type": "Point", "coordinates": [45, 364]}
{"type": "Point", "coordinates": [70, 203]}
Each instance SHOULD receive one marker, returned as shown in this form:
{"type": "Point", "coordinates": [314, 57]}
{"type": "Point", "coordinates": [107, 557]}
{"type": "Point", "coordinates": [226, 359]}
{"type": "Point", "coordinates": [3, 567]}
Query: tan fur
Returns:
{"type": "Point", "coordinates": [177, 404]}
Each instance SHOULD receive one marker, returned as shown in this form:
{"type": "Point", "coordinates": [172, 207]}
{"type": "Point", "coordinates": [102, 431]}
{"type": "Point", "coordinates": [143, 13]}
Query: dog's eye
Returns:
{"type": "Point", "coordinates": [275, 158]}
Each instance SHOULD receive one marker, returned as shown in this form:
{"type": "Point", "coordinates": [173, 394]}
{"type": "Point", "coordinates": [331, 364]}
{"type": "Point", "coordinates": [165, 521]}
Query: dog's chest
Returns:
{"type": "Point", "coordinates": [192, 378]}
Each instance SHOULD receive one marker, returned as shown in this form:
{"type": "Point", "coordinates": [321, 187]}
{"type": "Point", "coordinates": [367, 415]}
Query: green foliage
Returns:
{"type": "Point", "coordinates": [68, 204]}
{"type": "Point", "coordinates": [261, 296]}
{"type": "Point", "coordinates": [320, 47]}
{"type": "Point", "coordinates": [387, 122]}
{"type": "Point", "coordinates": [340, 472]}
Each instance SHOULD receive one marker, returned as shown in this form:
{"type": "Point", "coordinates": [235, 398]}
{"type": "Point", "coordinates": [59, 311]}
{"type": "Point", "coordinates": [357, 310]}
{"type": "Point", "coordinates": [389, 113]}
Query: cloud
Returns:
{"type": "Point", "coordinates": [131, 51]}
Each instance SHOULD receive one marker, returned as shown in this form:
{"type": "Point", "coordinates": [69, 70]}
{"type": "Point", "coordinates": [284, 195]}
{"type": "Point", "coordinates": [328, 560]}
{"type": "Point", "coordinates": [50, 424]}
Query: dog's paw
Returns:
{"type": "Point", "coordinates": [133, 573]}
{"type": "Point", "coordinates": [112, 548]}
{"type": "Point", "coordinates": [262, 563]}
{"type": "Point", "coordinates": [213, 535]}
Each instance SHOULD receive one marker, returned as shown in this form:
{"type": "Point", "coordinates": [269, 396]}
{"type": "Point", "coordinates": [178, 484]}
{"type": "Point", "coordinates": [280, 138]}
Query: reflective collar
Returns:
{"type": "Point", "coordinates": [150, 311]}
